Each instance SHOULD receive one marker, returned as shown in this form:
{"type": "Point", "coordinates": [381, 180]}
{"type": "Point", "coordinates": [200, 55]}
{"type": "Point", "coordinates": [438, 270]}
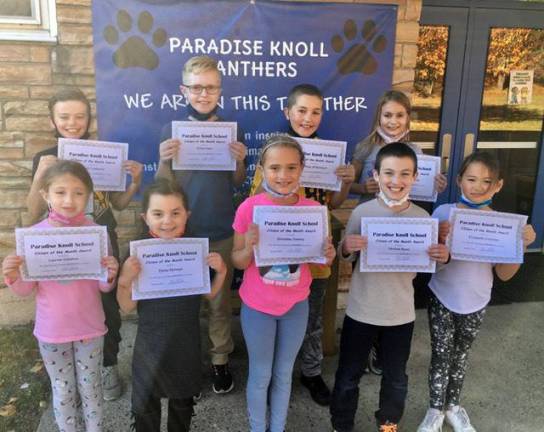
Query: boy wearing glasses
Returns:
{"type": "Point", "coordinates": [210, 196]}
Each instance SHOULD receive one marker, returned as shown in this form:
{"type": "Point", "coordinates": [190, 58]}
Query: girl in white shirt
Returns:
{"type": "Point", "coordinates": [460, 292]}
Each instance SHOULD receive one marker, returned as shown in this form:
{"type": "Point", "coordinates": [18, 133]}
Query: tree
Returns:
{"type": "Point", "coordinates": [511, 49]}
{"type": "Point", "coordinates": [431, 57]}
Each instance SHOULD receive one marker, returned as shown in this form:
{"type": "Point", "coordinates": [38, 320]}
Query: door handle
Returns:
{"type": "Point", "coordinates": [469, 145]}
{"type": "Point", "coordinates": [445, 154]}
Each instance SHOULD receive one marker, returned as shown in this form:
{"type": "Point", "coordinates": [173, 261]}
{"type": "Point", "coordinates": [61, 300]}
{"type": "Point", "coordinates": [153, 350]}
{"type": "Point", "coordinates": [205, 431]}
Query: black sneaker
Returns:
{"type": "Point", "coordinates": [222, 379]}
{"type": "Point", "coordinates": [374, 362]}
{"type": "Point", "coordinates": [318, 389]}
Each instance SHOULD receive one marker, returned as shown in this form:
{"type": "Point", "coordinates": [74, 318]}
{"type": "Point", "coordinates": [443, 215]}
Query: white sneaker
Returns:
{"type": "Point", "coordinates": [458, 419]}
{"type": "Point", "coordinates": [432, 422]}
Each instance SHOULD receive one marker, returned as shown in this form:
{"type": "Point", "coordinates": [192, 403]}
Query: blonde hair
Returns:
{"type": "Point", "coordinates": [280, 140]}
{"type": "Point", "coordinates": [198, 64]}
{"type": "Point", "coordinates": [365, 146]}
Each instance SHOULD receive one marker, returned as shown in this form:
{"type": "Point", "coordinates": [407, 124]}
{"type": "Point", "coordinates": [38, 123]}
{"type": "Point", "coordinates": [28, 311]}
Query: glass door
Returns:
{"type": "Point", "coordinates": [504, 105]}
{"type": "Point", "coordinates": [490, 97]}
{"type": "Point", "coordinates": [439, 68]}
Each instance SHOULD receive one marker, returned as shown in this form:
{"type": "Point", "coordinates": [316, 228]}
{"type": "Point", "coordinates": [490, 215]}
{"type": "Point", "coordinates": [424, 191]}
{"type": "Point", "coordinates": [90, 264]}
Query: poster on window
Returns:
{"type": "Point", "coordinates": [520, 91]}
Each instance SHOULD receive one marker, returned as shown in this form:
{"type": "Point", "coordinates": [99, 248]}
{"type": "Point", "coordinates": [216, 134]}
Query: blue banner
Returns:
{"type": "Point", "coordinates": [263, 49]}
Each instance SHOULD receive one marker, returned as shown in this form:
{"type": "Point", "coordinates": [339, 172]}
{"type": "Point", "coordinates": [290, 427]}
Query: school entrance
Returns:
{"type": "Point", "coordinates": [479, 84]}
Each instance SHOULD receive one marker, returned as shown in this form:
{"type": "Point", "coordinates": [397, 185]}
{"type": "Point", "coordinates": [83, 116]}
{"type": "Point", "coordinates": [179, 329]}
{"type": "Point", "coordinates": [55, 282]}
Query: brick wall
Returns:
{"type": "Point", "coordinates": [31, 72]}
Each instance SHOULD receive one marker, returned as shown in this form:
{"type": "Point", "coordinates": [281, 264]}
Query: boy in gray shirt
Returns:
{"type": "Point", "coordinates": [380, 305]}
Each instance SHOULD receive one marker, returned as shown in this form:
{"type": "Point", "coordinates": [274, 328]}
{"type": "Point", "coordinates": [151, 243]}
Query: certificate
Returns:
{"type": "Point", "coordinates": [103, 159]}
{"type": "Point", "coordinates": [62, 253]}
{"type": "Point", "coordinates": [424, 189]}
{"type": "Point", "coordinates": [486, 236]}
{"type": "Point", "coordinates": [321, 158]}
{"type": "Point", "coordinates": [398, 244]}
{"type": "Point", "coordinates": [290, 234]}
{"type": "Point", "coordinates": [204, 145]}
{"type": "Point", "coordinates": [171, 268]}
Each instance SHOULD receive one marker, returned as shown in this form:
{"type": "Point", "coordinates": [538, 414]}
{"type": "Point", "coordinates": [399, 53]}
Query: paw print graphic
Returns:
{"type": "Point", "coordinates": [358, 58]}
{"type": "Point", "coordinates": [135, 51]}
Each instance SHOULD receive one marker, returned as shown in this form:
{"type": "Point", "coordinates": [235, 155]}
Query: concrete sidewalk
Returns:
{"type": "Point", "coordinates": [504, 390]}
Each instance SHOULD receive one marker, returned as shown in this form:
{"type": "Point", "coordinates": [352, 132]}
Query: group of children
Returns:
{"type": "Point", "coordinates": [77, 322]}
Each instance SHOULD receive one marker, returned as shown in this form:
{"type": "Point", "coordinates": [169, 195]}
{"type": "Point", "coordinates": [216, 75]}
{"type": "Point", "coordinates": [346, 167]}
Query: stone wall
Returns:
{"type": "Point", "coordinates": [31, 72]}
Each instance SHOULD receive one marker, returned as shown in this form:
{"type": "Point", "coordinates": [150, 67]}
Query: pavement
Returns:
{"type": "Point", "coordinates": [503, 392]}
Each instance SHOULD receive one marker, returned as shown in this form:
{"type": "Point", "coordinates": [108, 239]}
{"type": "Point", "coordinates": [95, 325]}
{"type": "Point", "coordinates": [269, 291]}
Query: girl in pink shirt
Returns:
{"type": "Point", "coordinates": [69, 315]}
{"type": "Point", "coordinates": [274, 298]}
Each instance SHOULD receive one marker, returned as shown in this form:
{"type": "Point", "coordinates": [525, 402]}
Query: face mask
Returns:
{"type": "Point", "coordinates": [275, 194]}
{"type": "Point", "coordinates": [388, 201]}
{"type": "Point", "coordinates": [391, 202]}
{"type": "Point", "coordinates": [66, 221]}
{"type": "Point", "coordinates": [390, 139]}
{"type": "Point", "coordinates": [471, 204]}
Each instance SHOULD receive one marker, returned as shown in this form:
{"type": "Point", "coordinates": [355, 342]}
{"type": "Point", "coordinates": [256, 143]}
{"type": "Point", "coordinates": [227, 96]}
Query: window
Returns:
{"type": "Point", "coordinates": [28, 20]}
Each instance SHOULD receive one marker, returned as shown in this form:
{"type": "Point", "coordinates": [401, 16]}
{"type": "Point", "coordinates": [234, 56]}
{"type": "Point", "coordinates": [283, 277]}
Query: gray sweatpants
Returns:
{"type": "Point", "coordinates": [74, 369]}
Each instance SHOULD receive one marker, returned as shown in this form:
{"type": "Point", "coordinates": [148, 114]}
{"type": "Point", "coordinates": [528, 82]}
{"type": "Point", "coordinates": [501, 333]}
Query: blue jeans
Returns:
{"type": "Point", "coordinates": [355, 343]}
{"type": "Point", "coordinates": [272, 344]}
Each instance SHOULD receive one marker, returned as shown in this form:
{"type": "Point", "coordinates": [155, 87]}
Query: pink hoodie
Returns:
{"type": "Point", "coordinates": [66, 311]}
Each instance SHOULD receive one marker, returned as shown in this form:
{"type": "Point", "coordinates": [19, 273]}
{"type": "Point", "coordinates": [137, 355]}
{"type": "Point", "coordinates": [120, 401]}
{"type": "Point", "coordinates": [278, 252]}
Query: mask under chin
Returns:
{"type": "Point", "coordinates": [268, 188]}
{"type": "Point", "coordinates": [392, 202]}
{"type": "Point", "coordinates": [471, 204]}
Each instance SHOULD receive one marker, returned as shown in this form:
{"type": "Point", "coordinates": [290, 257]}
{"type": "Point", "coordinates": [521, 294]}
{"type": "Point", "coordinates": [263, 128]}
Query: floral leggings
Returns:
{"type": "Point", "coordinates": [452, 335]}
{"type": "Point", "coordinates": [74, 369]}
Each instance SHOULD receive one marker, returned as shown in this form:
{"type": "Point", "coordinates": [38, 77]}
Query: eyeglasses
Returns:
{"type": "Point", "coordinates": [198, 89]}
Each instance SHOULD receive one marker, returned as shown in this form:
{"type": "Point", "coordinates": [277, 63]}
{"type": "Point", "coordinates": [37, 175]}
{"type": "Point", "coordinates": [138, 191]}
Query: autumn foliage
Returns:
{"type": "Point", "coordinates": [509, 49]}
{"type": "Point", "coordinates": [431, 57]}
